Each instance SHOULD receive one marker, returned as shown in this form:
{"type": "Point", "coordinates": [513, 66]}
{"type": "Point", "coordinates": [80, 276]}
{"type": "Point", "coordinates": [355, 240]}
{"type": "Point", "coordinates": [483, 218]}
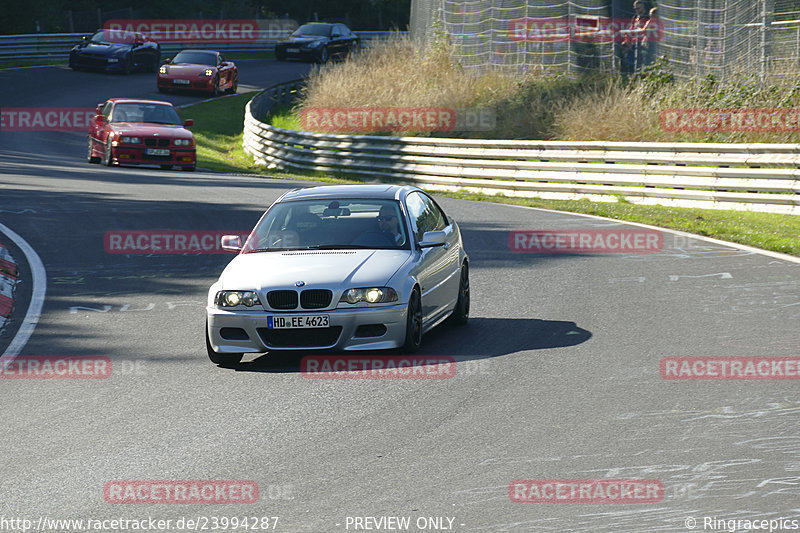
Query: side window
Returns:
{"type": "Point", "coordinates": [416, 208]}
{"type": "Point", "coordinates": [432, 217]}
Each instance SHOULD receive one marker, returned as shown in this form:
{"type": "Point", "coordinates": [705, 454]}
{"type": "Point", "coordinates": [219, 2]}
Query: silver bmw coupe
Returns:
{"type": "Point", "coordinates": [344, 267]}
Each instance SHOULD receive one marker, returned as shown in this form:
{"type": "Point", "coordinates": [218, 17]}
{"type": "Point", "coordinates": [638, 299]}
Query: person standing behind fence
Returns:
{"type": "Point", "coordinates": [653, 31]}
{"type": "Point", "coordinates": [633, 53]}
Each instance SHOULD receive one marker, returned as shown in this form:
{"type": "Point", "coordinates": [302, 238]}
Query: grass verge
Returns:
{"type": "Point", "coordinates": [218, 130]}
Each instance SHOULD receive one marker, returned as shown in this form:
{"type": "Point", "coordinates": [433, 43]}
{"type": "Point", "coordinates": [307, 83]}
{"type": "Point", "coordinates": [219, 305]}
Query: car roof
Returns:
{"type": "Point", "coordinates": [137, 101]}
{"type": "Point", "coordinates": [198, 50]}
{"type": "Point", "coordinates": [380, 191]}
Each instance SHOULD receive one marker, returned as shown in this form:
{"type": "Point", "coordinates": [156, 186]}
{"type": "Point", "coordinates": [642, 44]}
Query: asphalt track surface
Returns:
{"type": "Point", "coordinates": [557, 374]}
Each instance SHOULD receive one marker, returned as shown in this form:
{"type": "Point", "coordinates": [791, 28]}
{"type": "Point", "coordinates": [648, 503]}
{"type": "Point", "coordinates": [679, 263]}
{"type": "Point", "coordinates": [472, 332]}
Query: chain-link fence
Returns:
{"type": "Point", "coordinates": [697, 37]}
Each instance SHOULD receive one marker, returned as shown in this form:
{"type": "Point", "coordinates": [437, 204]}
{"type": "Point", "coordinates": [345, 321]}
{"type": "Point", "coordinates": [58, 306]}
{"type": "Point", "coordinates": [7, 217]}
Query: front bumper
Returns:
{"type": "Point", "coordinates": [203, 84]}
{"type": "Point", "coordinates": [132, 155]}
{"type": "Point", "coordinates": [86, 61]}
{"type": "Point", "coordinates": [341, 335]}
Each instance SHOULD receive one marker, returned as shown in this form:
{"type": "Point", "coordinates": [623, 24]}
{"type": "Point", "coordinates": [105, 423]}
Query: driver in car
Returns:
{"type": "Point", "coordinates": [389, 225]}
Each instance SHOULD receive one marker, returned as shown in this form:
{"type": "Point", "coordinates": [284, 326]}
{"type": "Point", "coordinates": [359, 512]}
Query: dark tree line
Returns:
{"type": "Point", "coordinates": [55, 16]}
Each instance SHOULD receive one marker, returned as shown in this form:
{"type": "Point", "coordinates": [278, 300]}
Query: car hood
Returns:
{"type": "Point", "coordinates": [300, 41]}
{"type": "Point", "coordinates": [187, 69]}
{"type": "Point", "coordinates": [316, 268]}
{"type": "Point", "coordinates": [104, 49]}
{"type": "Point", "coordinates": [144, 128]}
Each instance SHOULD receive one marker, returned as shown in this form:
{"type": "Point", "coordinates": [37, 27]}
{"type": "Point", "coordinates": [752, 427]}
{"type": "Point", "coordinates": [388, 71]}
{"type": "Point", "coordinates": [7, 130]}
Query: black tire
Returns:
{"type": "Point", "coordinates": [413, 324]}
{"type": "Point", "coordinates": [166, 167]}
{"type": "Point", "coordinates": [323, 55]}
{"type": "Point", "coordinates": [108, 158]}
{"type": "Point", "coordinates": [93, 159]}
{"type": "Point", "coordinates": [460, 314]}
{"type": "Point", "coordinates": [127, 65]}
{"type": "Point", "coordinates": [234, 86]}
{"type": "Point", "coordinates": [280, 56]}
{"type": "Point", "coordinates": [222, 359]}
{"type": "Point", "coordinates": [189, 169]}
{"type": "Point", "coordinates": [216, 91]}
{"type": "Point", "coordinates": [162, 89]}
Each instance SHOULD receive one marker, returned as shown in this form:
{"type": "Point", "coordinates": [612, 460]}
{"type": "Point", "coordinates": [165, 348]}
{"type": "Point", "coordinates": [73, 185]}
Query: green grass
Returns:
{"type": "Point", "coordinates": [31, 63]}
{"type": "Point", "coordinates": [218, 130]}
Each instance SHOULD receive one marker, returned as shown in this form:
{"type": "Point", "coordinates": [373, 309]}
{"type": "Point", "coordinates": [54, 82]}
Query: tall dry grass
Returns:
{"type": "Point", "coordinates": [396, 72]}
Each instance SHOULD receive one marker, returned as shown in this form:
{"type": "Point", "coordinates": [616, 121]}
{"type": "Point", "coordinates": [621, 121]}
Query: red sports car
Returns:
{"type": "Point", "coordinates": [140, 132]}
{"type": "Point", "coordinates": [199, 70]}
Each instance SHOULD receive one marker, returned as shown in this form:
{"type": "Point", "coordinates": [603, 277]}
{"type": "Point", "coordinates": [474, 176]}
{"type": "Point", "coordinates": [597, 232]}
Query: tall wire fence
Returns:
{"type": "Point", "coordinates": [697, 37]}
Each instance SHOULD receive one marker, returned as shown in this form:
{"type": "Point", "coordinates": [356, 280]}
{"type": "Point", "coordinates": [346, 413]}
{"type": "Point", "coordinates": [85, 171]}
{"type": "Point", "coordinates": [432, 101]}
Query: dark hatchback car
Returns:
{"type": "Point", "coordinates": [120, 51]}
{"type": "Point", "coordinates": [318, 41]}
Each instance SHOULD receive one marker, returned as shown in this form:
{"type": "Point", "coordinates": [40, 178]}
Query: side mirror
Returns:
{"type": "Point", "coordinates": [99, 109]}
{"type": "Point", "coordinates": [231, 243]}
{"type": "Point", "coordinates": [167, 61]}
{"type": "Point", "coordinates": [189, 122]}
{"type": "Point", "coordinates": [433, 238]}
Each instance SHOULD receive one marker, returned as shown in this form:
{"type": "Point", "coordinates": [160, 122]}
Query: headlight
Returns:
{"type": "Point", "coordinates": [184, 142]}
{"type": "Point", "coordinates": [208, 72]}
{"type": "Point", "coordinates": [372, 295]}
{"type": "Point", "coordinates": [315, 44]}
{"type": "Point", "coordinates": [162, 70]}
{"type": "Point", "coordinates": [131, 140]}
{"type": "Point", "coordinates": [236, 298]}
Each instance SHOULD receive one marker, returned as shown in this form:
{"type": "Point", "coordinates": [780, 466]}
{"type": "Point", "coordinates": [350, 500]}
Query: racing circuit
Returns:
{"type": "Point", "coordinates": [557, 376]}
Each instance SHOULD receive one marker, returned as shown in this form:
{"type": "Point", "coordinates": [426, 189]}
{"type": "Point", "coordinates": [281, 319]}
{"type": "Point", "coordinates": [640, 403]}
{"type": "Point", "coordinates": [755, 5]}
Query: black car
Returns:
{"type": "Point", "coordinates": [120, 51]}
{"type": "Point", "coordinates": [318, 41]}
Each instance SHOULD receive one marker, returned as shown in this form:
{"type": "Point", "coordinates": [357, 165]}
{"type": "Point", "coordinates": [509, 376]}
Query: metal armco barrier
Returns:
{"type": "Point", "coordinates": [676, 174]}
{"type": "Point", "coordinates": [57, 45]}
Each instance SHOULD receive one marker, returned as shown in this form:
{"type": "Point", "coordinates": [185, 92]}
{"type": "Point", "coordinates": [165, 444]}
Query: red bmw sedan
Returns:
{"type": "Point", "coordinates": [140, 132]}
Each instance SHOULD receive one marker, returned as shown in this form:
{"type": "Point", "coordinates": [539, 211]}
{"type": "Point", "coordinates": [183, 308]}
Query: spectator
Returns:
{"type": "Point", "coordinates": [633, 49]}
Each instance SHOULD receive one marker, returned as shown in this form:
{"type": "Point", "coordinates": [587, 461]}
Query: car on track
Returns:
{"type": "Point", "coordinates": [140, 132]}
{"type": "Point", "coordinates": [198, 70]}
{"type": "Point", "coordinates": [346, 268]}
{"type": "Point", "coordinates": [318, 41]}
{"type": "Point", "coordinates": [116, 50]}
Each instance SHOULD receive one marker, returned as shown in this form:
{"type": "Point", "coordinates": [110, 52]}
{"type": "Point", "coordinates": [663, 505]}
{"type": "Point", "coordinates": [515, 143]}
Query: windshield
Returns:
{"type": "Point", "coordinates": [140, 112]}
{"type": "Point", "coordinates": [196, 58]}
{"type": "Point", "coordinates": [330, 224]}
{"type": "Point", "coordinates": [113, 36]}
{"type": "Point", "coordinates": [313, 30]}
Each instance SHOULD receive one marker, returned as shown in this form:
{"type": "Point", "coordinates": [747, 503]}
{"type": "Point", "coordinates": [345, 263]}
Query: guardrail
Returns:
{"type": "Point", "coordinates": [57, 45]}
{"type": "Point", "coordinates": [678, 174]}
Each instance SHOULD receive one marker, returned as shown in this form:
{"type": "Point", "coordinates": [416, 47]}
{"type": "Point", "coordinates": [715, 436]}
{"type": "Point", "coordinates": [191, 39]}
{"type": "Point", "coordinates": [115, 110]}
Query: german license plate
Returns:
{"type": "Point", "coordinates": [156, 151]}
{"type": "Point", "coordinates": [292, 50]}
{"type": "Point", "coordinates": [181, 82]}
{"type": "Point", "coordinates": [298, 322]}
